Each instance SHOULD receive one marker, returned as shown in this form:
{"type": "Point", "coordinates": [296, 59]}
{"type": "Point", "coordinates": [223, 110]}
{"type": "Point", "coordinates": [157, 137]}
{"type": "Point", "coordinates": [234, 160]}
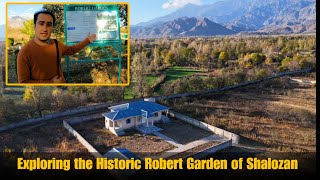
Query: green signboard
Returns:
{"type": "Point", "coordinates": [100, 19]}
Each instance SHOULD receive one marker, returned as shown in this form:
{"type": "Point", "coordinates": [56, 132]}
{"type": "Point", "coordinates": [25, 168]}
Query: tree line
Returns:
{"type": "Point", "coordinates": [232, 59]}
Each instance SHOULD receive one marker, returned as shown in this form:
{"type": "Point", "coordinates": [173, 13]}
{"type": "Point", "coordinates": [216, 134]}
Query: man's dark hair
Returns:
{"type": "Point", "coordinates": [35, 16]}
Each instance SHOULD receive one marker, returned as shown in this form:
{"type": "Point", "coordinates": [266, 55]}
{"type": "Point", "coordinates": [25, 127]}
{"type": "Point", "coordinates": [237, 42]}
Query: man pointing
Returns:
{"type": "Point", "coordinates": [39, 60]}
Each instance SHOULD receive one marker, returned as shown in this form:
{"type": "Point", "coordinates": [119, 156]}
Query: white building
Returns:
{"type": "Point", "coordinates": [139, 114]}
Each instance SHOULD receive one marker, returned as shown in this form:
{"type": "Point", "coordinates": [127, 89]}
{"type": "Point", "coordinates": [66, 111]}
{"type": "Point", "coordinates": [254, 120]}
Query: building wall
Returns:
{"type": "Point", "coordinates": [124, 125]}
{"type": "Point", "coordinates": [106, 123]}
{"type": "Point", "coordinates": [134, 121]}
{"type": "Point", "coordinates": [157, 118]}
{"type": "Point", "coordinates": [109, 123]}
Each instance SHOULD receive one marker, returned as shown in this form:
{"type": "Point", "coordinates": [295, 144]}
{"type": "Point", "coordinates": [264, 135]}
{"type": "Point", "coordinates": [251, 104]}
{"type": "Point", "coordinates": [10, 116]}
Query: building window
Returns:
{"type": "Point", "coordinates": [156, 114]}
{"type": "Point", "coordinates": [128, 121]}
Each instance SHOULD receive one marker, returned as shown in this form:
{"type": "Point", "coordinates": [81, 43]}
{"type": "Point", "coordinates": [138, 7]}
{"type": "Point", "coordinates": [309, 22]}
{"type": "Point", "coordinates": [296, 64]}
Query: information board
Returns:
{"type": "Point", "coordinates": [100, 19]}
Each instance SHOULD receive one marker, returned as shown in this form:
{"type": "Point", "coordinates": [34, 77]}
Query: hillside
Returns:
{"type": "Point", "coordinates": [183, 27]}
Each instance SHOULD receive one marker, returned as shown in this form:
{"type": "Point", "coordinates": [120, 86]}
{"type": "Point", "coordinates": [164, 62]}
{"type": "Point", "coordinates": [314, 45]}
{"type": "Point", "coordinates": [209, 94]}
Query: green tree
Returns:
{"type": "Point", "coordinates": [256, 58]}
{"type": "Point", "coordinates": [186, 55]}
{"type": "Point", "coordinates": [285, 61]}
{"type": "Point", "coordinates": [10, 41]}
{"type": "Point", "coordinates": [215, 54]}
{"type": "Point", "coordinates": [57, 11]}
{"type": "Point", "coordinates": [28, 28]}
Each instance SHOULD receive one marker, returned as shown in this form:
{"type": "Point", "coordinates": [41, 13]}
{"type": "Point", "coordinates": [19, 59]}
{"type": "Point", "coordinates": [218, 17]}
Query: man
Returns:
{"type": "Point", "coordinates": [37, 60]}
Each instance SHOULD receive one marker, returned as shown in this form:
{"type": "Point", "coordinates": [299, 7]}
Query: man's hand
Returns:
{"type": "Point", "coordinates": [92, 37]}
{"type": "Point", "coordinates": [57, 79]}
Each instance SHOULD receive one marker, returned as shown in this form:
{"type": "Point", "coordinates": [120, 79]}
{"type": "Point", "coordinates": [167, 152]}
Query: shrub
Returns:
{"type": "Point", "coordinates": [269, 61]}
{"type": "Point", "coordinates": [10, 41]}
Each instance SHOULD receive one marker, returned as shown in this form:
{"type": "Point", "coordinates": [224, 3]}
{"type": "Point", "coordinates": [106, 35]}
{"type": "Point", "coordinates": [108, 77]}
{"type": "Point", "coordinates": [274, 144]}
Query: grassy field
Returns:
{"type": "Point", "coordinates": [176, 72]}
{"type": "Point", "coordinates": [40, 138]}
{"type": "Point", "coordinates": [270, 117]}
{"type": "Point", "coordinates": [151, 79]}
{"type": "Point", "coordinates": [128, 92]}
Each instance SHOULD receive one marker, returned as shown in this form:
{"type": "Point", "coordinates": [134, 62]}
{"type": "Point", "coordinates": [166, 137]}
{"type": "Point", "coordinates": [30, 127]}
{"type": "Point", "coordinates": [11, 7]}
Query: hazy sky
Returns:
{"type": "Point", "coordinates": [140, 10]}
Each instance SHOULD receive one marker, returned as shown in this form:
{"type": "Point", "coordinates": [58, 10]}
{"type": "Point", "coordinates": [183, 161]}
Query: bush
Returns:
{"type": "Point", "coordinates": [306, 63]}
{"type": "Point", "coordinates": [10, 41]}
{"type": "Point", "coordinates": [269, 61]}
{"type": "Point", "coordinates": [261, 73]}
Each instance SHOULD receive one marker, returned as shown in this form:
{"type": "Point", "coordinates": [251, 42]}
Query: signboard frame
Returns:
{"type": "Point", "coordinates": [116, 44]}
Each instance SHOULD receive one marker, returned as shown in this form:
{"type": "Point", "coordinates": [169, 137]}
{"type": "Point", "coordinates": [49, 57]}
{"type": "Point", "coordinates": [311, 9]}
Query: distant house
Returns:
{"type": "Point", "coordinates": [139, 114]}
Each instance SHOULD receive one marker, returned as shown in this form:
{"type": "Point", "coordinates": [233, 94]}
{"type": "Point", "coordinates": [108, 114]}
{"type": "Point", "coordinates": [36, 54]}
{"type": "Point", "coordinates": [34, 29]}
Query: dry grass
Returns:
{"type": "Point", "coordinates": [50, 137]}
{"type": "Point", "coordinates": [278, 119]}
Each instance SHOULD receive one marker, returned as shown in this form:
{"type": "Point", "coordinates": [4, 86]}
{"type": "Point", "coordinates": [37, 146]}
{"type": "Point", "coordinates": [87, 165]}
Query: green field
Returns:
{"type": "Point", "coordinates": [176, 72]}
{"type": "Point", "coordinates": [128, 92]}
{"type": "Point", "coordinates": [151, 79]}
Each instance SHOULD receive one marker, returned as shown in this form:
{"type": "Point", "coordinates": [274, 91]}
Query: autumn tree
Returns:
{"type": "Point", "coordinates": [186, 56]}
{"type": "Point", "coordinates": [139, 66]}
{"type": "Point", "coordinates": [169, 59]}
{"type": "Point", "coordinates": [223, 56]}
{"type": "Point", "coordinates": [202, 59]}
{"type": "Point", "coordinates": [37, 98]}
{"type": "Point", "coordinates": [156, 57]}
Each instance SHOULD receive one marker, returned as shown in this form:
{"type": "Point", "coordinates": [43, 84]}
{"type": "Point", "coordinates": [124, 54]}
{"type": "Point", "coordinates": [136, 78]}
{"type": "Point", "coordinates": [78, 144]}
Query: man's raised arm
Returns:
{"type": "Point", "coordinates": [70, 50]}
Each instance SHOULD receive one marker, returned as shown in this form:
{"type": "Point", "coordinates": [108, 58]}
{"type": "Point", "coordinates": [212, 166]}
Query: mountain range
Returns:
{"type": "Point", "coordinates": [182, 27]}
{"type": "Point", "coordinates": [13, 22]}
{"type": "Point", "coordinates": [231, 17]}
{"type": "Point", "coordinates": [16, 21]}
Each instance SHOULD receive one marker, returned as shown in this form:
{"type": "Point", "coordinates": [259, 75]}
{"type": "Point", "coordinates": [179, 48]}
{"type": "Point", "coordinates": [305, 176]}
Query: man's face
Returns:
{"type": "Point", "coordinates": [43, 27]}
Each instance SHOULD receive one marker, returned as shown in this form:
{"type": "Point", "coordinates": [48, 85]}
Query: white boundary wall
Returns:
{"type": "Point", "coordinates": [84, 142]}
{"type": "Point", "coordinates": [229, 135]}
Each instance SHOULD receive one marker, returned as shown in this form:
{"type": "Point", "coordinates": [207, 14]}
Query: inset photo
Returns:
{"type": "Point", "coordinates": [67, 44]}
